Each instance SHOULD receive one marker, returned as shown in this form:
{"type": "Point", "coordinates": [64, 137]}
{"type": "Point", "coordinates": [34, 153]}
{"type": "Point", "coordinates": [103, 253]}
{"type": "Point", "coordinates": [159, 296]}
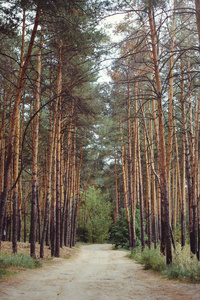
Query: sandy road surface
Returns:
{"type": "Point", "coordinates": [97, 273]}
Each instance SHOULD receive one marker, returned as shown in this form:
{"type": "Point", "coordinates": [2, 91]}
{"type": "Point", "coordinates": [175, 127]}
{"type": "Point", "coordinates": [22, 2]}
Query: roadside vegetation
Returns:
{"type": "Point", "coordinates": [8, 263]}
{"type": "Point", "coordinates": [185, 266]}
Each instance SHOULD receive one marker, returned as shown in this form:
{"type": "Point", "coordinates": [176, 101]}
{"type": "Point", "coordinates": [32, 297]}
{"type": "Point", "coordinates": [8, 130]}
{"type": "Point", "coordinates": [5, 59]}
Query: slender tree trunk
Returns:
{"type": "Point", "coordinates": [21, 78]}
{"type": "Point", "coordinates": [73, 187]}
{"type": "Point", "coordinates": [183, 206]}
{"type": "Point", "coordinates": [170, 109]}
{"type": "Point", "coordinates": [77, 195]}
{"type": "Point", "coordinates": [125, 186]}
{"type": "Point", "coordinates": [116, 191]}
{"type": "Point", "coordinates": [165, 219]}
{"type": "Point", "coordinates": [25, 210]}
{"type": "Point", "coordinates": [188, 169]}
{"type": "Point", "coordinates": [148, 183]}
{"type": "Point", "coordinates": [141, 198]}
{"type": "Point", "coordinates": [16, 152]}
{"type": "Point", "coordinates": [35, 192]}
{"type": "Point", "coordinates": [49, 175]}
{"type": "Point", "coordinates": [53, 200]}
{"type": "Point", "coordinates": [58, 153]}
{"type": "Point", "coordinates": [130, 173]}
{"type": "Point", "coordinates": [66, 208]}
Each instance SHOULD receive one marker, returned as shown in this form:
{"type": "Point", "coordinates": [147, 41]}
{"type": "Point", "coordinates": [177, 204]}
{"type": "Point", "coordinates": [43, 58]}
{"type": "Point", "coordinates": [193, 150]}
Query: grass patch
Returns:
{"type": "Point", "coordinates": [184, 266]}
{"type": "Point", "coordinates": [6, 273]}
{"type": "Point", "coordinates": [17, 260]}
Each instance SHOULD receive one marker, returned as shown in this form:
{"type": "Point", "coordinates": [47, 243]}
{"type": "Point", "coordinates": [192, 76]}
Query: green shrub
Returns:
{"type": "Point", "coordinates": [135, 254]}
{"type": "Point", "coordinates": [153, 259]}
{"type": "Point", "coordinates": [183, 267]}
{"type": "Point", "coordinates": [119, 232]}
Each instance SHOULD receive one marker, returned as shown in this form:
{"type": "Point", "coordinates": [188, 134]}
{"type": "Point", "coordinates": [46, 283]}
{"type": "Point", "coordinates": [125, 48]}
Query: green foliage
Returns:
{"type": "Point", "coordinates": [184, 266]}
{"type": "Point", "coordinates": [153, 259]}
{"type": "Point", "coordinates": [96, 213]}
{"type": "Point", "coordinates": [18, 260]}
{"type": "Point", "coordinates": [177, 233]}
{"type": "Point", "coordinates": [5, 273]}
{"type": "Point", "coordinates": [135, 253]}
{"type": "Point", "coordinates": [119, 232]}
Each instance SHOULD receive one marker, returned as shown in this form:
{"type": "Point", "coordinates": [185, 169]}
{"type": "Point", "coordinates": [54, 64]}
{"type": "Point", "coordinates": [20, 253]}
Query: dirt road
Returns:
{"type": "Point", "coordinates": [97, 273]}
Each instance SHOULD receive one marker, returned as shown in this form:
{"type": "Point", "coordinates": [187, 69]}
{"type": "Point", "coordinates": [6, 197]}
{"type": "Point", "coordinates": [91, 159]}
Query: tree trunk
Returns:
{"type": "Point", "coordinates": [188, 171]}
{"type": "Point", "coordinates": [49, 174]}
{"type": "Point", "coordinates": [165, 220]}
{"type": "Point", "coordinates": [141, 198]}
{"type": "Point", "coordinates": [25, 209]}
{"type": "Point", "coordinates": [21, 78]}
{"type": "Point", "coordinates": [58, 153]}
{"type": "Point", "coordinates": [53, 200]}
{"type": "Point", "coordinates": [35, 192]}
{"type": "Point", "coordinates": [125, 185]}
{"type": "Point", "coordinates": [116, 191]}
{"type": "Point", "coordinates": [170, 109]}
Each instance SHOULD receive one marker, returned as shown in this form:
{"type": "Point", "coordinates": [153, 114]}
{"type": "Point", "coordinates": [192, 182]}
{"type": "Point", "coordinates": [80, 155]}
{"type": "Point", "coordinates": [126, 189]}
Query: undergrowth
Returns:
{"type": "Point", "coordinates": [17, 260]}
{"type": "Point", "coordinates": [184, 266]}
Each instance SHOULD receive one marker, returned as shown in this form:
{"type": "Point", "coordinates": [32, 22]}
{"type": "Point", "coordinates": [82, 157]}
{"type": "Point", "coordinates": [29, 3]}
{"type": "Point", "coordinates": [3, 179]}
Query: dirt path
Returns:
{"type": "Point", "coordinates": [97, 273]}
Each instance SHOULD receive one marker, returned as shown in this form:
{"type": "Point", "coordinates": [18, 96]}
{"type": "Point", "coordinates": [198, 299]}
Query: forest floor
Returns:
{"type": "Point", "coordinates": [65, 252]}
{"type": "Point", "coordinates": [94, 272]}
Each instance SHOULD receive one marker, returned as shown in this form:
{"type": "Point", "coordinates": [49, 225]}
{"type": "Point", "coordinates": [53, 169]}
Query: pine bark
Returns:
{"type": "Point", "coordinates": [21, 79]}
{"type": "Point", "coordinates": [124, 175]}
{"type": "Point", "coordinates": [165, 219]}
{"type": "Point", "coordinates": [49, 176]}
{"type": "Point", "coordinates": [35, 203]}
{"type": "Point", "coordinates": [58, 153]}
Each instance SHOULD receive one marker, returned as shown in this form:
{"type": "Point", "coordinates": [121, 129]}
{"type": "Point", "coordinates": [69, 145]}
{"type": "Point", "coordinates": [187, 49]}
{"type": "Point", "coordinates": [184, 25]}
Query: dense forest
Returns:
{"type": "Point", "coordinates": [80, 158]}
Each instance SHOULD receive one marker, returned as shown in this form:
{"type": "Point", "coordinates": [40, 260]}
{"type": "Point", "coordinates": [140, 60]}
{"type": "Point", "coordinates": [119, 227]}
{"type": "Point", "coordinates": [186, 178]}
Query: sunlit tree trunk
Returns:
{"type": "Point", "coordinates": [130, 170]}
{"type": "Point", "coordinates": [16, 151]}
{"type": "Point", "coordinates": [124, 173]}
{"type": "Point", "coordinates": [49, 174]}
{"type": "Point", "coordinates": [188, 168]}
{"type": "Point", "coordinates": [35, 189]}
{"type": "Point", "coordinates": [157, 218]}
{"type": "Point", "coordinates": [67, 185]}
{"type": "Point", "coordinates": [135, 163]}
{"type": "Point", "coordinates": [165, 220]}
{"type": "Point", "coordinates": [170, 109]}
{"type": "Point", "coordinates": [21, 78]}
{"type": "Point", "coordinates": [140, 188]}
